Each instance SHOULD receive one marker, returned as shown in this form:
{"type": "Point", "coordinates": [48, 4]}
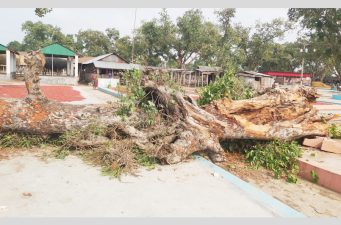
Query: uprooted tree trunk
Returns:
{"type": "Point", "coordinates": [277, 114]}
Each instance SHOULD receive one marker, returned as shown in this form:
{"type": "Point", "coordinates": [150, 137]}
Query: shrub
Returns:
{"type": "Point", "coordinates": [278, 156]}
{"type": "Point", "coordinates": [136, 96]}
{"type": "Point", "coordinates": [314, 176]}
{"type": "Point", "coordinates": [335, 131]}
{"type": "Point", "coordinates": [227, 86]}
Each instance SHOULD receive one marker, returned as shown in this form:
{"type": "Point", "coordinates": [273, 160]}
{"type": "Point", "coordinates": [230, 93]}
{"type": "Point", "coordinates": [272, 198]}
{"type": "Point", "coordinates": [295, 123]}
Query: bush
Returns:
{"type": "Point", "coordinates": [335, 131]}
{"type": "Point", "coordinates": [278, 156]}
{"type": "Point", "coordinates": [228, 86]}
{"type": "Point", "coordinates": [136, 96]}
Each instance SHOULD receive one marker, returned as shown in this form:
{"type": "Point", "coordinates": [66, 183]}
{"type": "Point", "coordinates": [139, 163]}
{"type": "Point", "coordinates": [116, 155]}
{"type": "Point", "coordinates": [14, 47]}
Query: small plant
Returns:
{"type": "Point", "coordinates": [335, 131]}
{"type": "Point", "coordinates": [144, 159]}
{"type": "Point", "coordinates": [136, 97]}
{"type": "Point", "coordinates": [61, 153]}
{"type": "Point", "coordinates": [111, 171]}
{"type": "Point", "coordinates": [314, 176]}
{"type": "Point", "coordinates": [228, 86]}
{"type": "Point", "coordinates": [151, 112]}
{"type": "Point", "coordinates": [278, 156]}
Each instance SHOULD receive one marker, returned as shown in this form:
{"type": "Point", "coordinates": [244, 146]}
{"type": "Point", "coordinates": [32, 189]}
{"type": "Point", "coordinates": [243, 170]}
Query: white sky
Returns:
{"type": "Point", "coordinates": [72, 20]}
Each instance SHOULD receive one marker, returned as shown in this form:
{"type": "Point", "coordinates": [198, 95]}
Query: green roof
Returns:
{"type": "Point", "coordinates": [2, 47]}
{"type": "Point", "coordinates": [57, 50]}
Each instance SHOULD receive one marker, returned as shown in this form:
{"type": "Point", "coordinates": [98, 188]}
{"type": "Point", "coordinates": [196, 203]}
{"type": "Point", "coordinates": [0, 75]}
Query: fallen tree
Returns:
{"type": "Point", "coordinates": [184, 127]}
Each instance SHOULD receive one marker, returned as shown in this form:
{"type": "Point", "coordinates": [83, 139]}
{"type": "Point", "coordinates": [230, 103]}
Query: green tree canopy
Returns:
{"type": "Point", "coordinates": [15, 46]}
{"type": "Point", "coordinates": [324, 27]}
{"type": "Point", "coordinates": [39, 35]}
{"type": "Point", "coordinates": [93, 43]}
{"type": "Point", "coordinates": [41, 12]}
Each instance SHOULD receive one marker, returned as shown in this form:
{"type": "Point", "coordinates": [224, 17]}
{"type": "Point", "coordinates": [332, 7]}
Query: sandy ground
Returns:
{"type": "Point", "coordinates": [33, 187]}
{"type": "Point", "coordinates": [306, 197]}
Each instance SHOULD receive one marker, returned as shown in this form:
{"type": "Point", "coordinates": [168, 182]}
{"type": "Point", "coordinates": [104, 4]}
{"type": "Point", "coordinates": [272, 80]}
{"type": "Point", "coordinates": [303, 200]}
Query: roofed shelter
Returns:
{"type": "Point", "coordinates": [106, 66]}
{"type": "Point", "coordinates": [257, 81]}
{"type": "Point", "coordinates": [7, 62]}
{"type": "Point", "coordinates": [207, 74]}
{"type": "Point", "coordinates": [59, 61]}
{"type": "Point", "coordinates": [290, 78]}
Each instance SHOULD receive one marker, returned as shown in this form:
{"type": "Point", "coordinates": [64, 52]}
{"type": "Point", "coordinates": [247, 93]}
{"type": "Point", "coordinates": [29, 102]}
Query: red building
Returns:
{"type": "Point", "coordinates": [289, 78]}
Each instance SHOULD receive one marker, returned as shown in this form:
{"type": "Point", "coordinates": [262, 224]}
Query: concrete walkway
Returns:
{"type": "Point", "coordinates": [92, 96]}
{"type": "Point", "coordinates": [32, 187]}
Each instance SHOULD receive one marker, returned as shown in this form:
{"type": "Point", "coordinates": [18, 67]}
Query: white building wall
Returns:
{"type": "Point", "coordinates": [8, 63]}
{"type": "Point", "coordinates": [13, 63]}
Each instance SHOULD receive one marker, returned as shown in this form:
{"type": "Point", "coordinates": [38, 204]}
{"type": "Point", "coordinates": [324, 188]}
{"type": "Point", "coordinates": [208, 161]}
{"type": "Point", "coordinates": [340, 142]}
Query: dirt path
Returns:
{"type": "Point", "coordinates": [306, 197]}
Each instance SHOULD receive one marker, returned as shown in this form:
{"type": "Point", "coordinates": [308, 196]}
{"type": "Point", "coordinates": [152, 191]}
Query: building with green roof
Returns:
{"type": "Point", "coordinates": [60, 61]}
{"type": "Point", "coordinates": [7, 63]}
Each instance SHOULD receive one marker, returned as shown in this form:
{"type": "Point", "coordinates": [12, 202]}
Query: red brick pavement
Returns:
{"type": "Point", "coordinates": [57, 93]}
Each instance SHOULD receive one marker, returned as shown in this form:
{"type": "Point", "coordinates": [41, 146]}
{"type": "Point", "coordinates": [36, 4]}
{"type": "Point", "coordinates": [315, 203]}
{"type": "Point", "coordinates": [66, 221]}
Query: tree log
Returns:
{"type": "Point", "coordinates": [186, 128]}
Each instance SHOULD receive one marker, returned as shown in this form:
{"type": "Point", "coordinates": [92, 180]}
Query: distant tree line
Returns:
{"type": "Point", "coordinates": [192, 41]}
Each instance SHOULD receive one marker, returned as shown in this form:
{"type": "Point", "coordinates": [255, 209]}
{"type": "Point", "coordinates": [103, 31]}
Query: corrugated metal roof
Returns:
{"type": "Point", "coordinates": [117, 66]}
{"type": "Point", "coordinates": [96, 58]}
{"type": "Point", "coordinates": [286, 74]}
{"type": "Point", "coordinates": [252, 74]}
{"type": "Point", "coordinates": [57, 50]}
{"type": "Point", "coordinates": [2, 47]}
{"type": "Point", "coordinates": [209, 69]}
{"type": "Point", "coordinates": [84, 59]}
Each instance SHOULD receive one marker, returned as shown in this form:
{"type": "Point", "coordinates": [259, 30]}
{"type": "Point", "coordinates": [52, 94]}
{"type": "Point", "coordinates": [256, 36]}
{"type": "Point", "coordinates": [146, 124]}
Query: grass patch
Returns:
{"type": "Point", "coordinates": [15, 140]}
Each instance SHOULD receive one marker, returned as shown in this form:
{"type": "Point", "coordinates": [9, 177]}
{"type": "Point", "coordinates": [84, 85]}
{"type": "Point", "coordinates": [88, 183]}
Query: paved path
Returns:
{"type": "Point", "coordinates": [326, 105]}
{"type": "Point", "coordinates": [71, 188]}
{"type": "Point", "coordinates": [92, 96]}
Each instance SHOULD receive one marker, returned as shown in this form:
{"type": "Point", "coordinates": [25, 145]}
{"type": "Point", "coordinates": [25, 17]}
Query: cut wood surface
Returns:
{"type": "Point", "coordinates": [186, 128]}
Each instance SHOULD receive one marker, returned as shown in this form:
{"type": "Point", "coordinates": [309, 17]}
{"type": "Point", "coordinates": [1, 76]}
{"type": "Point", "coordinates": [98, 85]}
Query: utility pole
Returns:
{"type": "Point", "coordinates": [302, 71]}
{"type": "Point", "coordinates": [133, 41]}
{"type": "Point", "coordinates": [303, 50]}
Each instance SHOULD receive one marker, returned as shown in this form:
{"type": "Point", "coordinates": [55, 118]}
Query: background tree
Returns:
{"type": "Point", "coordinates": [189, 38]}
{"type": "Point", "coordinates": [41, 12]}
{"type": "Point", "coordinates": [38, 35]}
{"type": "Point", "coordinates": [15, 46]}
{"type": "Point", "coordinates": [158, 36]}
{"type": "Point", "coordinates": [262, 47]}
{"type": "Point", "coordinates": [93, 43]}
{"type": "Point", "coordinates": [113, 34]}
{"type": "Point", "coordinates": [191, 41]}
{"type": "Point", "coordinates": [324, 27]}
{"type": "Point", "coordinates": [209, 46]}
{"type": "Point", "coordinates": [124, 47]}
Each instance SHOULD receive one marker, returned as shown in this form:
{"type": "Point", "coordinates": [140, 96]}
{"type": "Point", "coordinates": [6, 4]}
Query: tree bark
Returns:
{"type": "Point", "coordinates": [186, 127]}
